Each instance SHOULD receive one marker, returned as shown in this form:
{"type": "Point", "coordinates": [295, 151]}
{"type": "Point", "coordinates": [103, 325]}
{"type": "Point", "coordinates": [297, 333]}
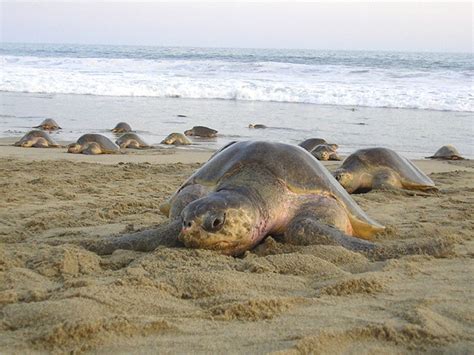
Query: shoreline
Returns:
{"type": "Point", "coordinates": [153, 156]}
{"type": "Point", "coordinates": [424, 132]}
{"type": "Point", "coordinates": [175, 155]}
{"type": "Point", "coordinates": [325, 105]}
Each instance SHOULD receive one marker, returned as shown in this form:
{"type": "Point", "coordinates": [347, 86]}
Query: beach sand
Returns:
{"type": "Point", "coordinates": [277, 298]}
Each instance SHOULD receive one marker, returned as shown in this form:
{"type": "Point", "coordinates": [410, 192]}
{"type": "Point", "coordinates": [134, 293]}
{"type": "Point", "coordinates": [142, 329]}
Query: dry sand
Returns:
{"type": "Point", "coordinates": [277, 298]}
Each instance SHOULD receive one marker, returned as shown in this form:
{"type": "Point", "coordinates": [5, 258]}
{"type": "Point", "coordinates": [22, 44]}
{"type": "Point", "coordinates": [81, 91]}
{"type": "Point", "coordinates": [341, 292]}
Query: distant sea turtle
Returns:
{"type": "Point", "coordinates": [48, 125]}
{"type": "Point", "coordinates": [122, 127]}
{"type": "Point", "coordinates": [176, 139]}
{"type": "Point", "coordinates": [131, 141]}
{"type": "Point", "coordinates": [251, 189]}
{"type": "Point", "coordinates": [380, 168]}
{"type": "Point", "coordinates": [447, 152]}
{"type": "Point", "coordinates": [93, 144]}
{"type": "Point", "coordinates": [37, 139]}
{"type": "Point", "coordinates": [325, 152]}
{"type": "Point", "coordinates": [312, 143]}
{"type": "Point", "coordinates": [257, 126]}
{"type": "Point", "coordinates": [201, 131]}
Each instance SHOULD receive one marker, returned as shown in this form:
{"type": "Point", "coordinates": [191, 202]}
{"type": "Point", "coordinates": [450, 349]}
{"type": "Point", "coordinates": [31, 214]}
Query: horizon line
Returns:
{"type": "Point", "coordinates": [237, 47]}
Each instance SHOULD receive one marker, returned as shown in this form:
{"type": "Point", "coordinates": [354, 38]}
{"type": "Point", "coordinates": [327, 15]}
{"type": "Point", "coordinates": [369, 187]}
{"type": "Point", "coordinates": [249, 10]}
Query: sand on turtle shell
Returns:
{"type": "Point", "coordinates": [278, 298]}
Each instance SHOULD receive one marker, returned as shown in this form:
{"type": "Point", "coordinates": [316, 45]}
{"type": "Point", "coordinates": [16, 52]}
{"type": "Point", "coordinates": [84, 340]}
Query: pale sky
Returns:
{"type": "Point", "coordinates": [421, 26]}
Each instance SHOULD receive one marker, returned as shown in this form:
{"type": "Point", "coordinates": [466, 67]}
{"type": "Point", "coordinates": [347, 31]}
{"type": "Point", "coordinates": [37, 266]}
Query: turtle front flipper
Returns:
{"type": "Point", "coordinates": [386, 180]}
{"type": "Point", "coordinates": [148, 240]}
{"type": "Point", "coordinates": [307, 230]}
{"type": "Point", "coordinates": [323, 220]}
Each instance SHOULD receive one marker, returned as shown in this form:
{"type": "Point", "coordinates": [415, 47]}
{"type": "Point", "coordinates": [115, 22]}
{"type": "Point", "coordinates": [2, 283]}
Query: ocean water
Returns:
{"type": "Point", "coordinates": [412, 102]}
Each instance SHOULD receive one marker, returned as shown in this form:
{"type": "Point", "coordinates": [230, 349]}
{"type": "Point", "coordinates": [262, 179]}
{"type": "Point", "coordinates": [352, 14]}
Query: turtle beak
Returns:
{"type": "Point", "coordinates": [187, 225]}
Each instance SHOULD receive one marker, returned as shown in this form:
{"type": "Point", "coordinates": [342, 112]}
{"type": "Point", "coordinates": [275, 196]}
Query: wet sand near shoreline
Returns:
{"type": "Point", "coordinates": [277, 298]}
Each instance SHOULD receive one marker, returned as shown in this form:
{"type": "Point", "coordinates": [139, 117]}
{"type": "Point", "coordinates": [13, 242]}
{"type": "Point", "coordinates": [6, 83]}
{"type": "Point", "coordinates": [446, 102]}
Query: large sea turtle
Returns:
{"type": "Point", "coordinates": [176, 139]}
{"type": "Point", "coordinates": [37, 139]}
{"type": "Point", "coordinates": [201, 131]}
{"type": "Point", "coordinates": [122, 127]}
{"type": "Point", "coordinates": [249, 190]}
{"type": "Point", "coordinates": [132, 141]}
{"type": "Point", "coordinates": [380, 168]}
{"type": "Point", "coordinates": [49, 125]}
{"type": "Point", "coordinates": [93, 144]}
{"type": "Point", "coordinates": [447, 152]}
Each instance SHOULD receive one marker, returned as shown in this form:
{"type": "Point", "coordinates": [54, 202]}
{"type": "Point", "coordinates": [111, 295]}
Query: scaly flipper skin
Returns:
{"type": "Point", "coordinates": [307, 230]}
{"type": "Point", "coordinates": [324, 220]}
{"type": "Point", "coordinates": [386, 180]}
{"type": "Point", "coordinates": [148, 240]}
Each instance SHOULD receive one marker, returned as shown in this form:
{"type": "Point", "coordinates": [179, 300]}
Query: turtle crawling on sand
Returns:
{"type": "Point", "coordinates": [250, 190]}
{"type": "Point", "coordinates": [131, 141]}
{"type": "Point", "coordinates": [325, 152]}
{"type": "Point", "coordinates": [447, 152]}
{"type": "Point", "coordinates": [93, 144]}
{"type": "Point", "coordinates": [176, 139]}
{"type": "Point", "coordinates": [122, 127]}
{"type": "Point", "coordinates": [311, 143]}
{"type": "Point", "coordinates": [37, 139]}
{"type": "Point", "coordinates": [320, 149]}
{"type": "Point", "coordinates": [381, 168]}
{"type": "Point", "coordinates": [201, 131]}
{"type": "Point", "coordinates": [48, 125]}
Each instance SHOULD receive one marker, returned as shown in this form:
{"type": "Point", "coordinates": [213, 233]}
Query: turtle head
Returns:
{"type": "Point", "coordinates": [74, 148]}
{"type": "Point", "coordinates": [346, 179]}
{"type": "Point", "coordinates": [226, 221]}
{"type": "Point", "coordinates": [323, 155]}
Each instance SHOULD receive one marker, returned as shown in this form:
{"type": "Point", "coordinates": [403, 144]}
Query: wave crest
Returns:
{"type": "Point", "coordinates": [257, 81]}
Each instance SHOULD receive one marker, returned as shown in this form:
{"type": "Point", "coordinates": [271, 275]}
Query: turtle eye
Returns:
{"type": "Point", "coordinates": [217, 222]}
{"type": "Point", "coordinates": [214, 223]}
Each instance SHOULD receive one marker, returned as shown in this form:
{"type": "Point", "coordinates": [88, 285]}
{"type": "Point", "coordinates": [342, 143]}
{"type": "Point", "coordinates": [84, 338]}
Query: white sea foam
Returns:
{"type": "Point", "coordinates": [235, 80]}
